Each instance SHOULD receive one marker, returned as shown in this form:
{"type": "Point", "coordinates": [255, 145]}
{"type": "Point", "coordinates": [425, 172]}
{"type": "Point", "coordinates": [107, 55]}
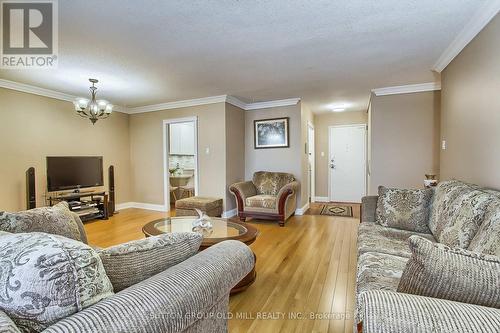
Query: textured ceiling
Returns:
{"type": "Point", "coordinates": [326, 52]}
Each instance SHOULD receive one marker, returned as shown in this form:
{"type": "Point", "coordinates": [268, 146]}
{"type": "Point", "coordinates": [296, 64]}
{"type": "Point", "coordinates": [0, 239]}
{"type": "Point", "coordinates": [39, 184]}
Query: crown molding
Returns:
{"type": "Point", "coordinates": [236, 102]}
{"type": "Point", "coordinates": [213, 99]}
{"type": "Point", "coordinates": [178, 104]}
{"type": "Point", "coordinates": [35, 90]}
{"type": "Point", "coordinates": [46, 92]}
{"type": "Point", "coordinates": [407, 89]}
{"type": "Point", "coordinates": [272, 104]}
{"type": "Point", "coordinates": [480, 19]}
{"type": "Point", "coordinates": [155, 107]}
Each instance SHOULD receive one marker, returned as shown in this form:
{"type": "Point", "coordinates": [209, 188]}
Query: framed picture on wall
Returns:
{"type": "Point", "coordinates": [271, 133]}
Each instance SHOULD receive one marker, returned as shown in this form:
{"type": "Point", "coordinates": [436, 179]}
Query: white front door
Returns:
{"type": "Point", "coordinates": [347, 164]}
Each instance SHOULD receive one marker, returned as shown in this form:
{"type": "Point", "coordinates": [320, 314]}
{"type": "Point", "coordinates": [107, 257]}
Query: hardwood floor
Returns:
{"type": "Point", "coordinates": [305, 271]}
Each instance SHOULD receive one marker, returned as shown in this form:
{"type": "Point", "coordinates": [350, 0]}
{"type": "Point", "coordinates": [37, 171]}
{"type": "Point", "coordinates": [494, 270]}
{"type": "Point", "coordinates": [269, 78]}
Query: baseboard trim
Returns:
{"type": "Point", "coordinates": [301, 211]}
{"type": "Point", "coordinates": [230, 213]}
{"type": "Point", "coordinates": [141, 205]}
{"type": "Point", "coordinates": [321, 199]}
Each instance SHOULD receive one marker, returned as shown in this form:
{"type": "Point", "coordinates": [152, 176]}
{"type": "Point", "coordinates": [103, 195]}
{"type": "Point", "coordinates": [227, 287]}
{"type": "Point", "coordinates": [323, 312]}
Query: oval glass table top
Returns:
{"type": "Point", "coordinates": [221, 228]}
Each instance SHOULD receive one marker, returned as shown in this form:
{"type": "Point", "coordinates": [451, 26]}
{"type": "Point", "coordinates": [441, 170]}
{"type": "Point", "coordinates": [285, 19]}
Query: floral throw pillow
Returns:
{"type": "Point", "coordinates": [56, 220]}
{"type": "Point", "coordinates": [404, 209]}
{"type": "Point", "coordinates": [45, 278]}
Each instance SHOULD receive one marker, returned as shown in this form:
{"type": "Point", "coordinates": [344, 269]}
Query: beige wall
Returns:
{"type": "Point", "coordinates": [235, 150]}
{"type": "Point", "coordinates": [471, 111]}
{"type": "Point", "coordinates": [34, 127]}
{"type": "Point", "coordinates": [146, 151]}
{"type": "Point", "coordinates": [307, 117]}
{"type": "Point", "coordinates": [277, 159]}
{"type": "Point", "coordinates": [321, 123]}
{"type": "Point", "coordinates": [404, 139]}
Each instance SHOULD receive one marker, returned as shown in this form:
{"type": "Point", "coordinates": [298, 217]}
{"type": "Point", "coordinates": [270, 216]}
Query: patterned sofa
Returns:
{"type": "Point", "coordinates": [461, 216]}
{"type": "Point", "coordinates": [269, 196]}
{"type": "Point", "coordinates": [191, 295]}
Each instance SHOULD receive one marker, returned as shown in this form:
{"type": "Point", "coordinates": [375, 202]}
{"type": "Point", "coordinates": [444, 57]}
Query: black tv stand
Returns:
{"type": "Point", "coordinates": [94, 207]}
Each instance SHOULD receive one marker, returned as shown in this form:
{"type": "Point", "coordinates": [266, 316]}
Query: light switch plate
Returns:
{"type": "Point", "coordinates": [443, 145]}
{"type": "Point", "coordinates": [207, 150]}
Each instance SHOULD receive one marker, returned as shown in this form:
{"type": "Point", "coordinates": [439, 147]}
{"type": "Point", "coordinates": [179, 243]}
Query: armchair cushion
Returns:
{"type": "Point", "coordinates": [270, 183]}
{"type": "Point", "coordinates": [130, 263]}
{"type": "Point", "coordinates": [55, 220]}
{"type": "Point", "coordinates": [261, 201]}
{"type": "Point", "coordinates": [45, 278]}
{"type": "Point", "coordinates": [404, 209]}
{"type": "Point", "coordinates": [435, 270]}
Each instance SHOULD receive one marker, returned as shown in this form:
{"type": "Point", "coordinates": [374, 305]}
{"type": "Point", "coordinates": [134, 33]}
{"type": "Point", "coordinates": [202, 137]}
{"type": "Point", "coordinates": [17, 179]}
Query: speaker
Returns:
{"type": "Point", "coordinates": [30, 189]}
{"type": "Point", "coordinates": [111, 202]}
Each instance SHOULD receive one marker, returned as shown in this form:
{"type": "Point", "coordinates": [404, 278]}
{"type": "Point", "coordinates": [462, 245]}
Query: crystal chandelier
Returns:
{"type": "Point", "coordinates": [93, 109]}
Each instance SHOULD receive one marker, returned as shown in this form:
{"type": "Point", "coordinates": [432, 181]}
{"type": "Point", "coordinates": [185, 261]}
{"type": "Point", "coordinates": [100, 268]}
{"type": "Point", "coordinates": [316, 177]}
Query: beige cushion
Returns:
{"type": "Point", "coordinates": [404, 209]}
{"type": "Point", "coordinates": [436, 270]}
{"type": "Point", "coordinates": [202, 203]}
{"type": "Point", "coordinates": [56, 220]}
{"type": "Point", "coordinates": [261, 201]}
{"type": "Point", "coordinates": [45, 278]}
{"type": "Point", "coordinates": [130, 263]}
{"type": "Point", "coordinates": [270, 183]}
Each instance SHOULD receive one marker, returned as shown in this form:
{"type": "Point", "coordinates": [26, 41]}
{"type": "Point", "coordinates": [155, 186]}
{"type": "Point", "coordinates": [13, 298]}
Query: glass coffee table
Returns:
{"type": "Point", "coordinates": [222, 230]}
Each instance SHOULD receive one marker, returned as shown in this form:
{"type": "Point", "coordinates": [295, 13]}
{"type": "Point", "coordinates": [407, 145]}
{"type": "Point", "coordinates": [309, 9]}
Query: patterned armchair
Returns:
{"type": "Point", "coordinates": [270, 196]}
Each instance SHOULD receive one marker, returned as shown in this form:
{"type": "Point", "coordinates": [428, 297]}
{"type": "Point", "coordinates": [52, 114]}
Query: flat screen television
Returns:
{"type": "Point", "coordinates": [73, 172]}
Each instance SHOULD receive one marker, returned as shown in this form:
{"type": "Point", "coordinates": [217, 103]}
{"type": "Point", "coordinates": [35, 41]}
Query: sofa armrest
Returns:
{"type": "Point", "coordinates": [241, 191]}
{"type": "Point", "coordinates": [369, 208]}
{"type": "Point", "coordinates": [7, 325]}
{"type": "Point", "coordinates": [171, 301]}
{"type": "Point", "coordinates": [386, 311]}
{"type": "Point", "coordinates": [288, 189]}
{"type": "Point", "coordinates": [283, 196]}
{"type": "Point", "coordinates": [81, 229]}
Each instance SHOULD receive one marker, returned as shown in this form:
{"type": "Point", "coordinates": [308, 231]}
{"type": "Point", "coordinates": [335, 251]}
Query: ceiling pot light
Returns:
{"type": "Point", "coordinates": [338, 109]}
{"type": "Point", "coordinates": [91, 108]}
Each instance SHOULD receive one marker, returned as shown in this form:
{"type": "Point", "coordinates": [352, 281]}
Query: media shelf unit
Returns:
{"type": "Point", "coordinates": [88, 205]}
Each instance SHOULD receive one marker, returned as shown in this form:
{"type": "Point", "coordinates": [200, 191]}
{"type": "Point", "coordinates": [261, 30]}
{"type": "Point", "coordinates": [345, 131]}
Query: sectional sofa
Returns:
{"type": "Point", "coordinates": [52, 281]}
{"type": "Point", "coordinates": [460, 216]}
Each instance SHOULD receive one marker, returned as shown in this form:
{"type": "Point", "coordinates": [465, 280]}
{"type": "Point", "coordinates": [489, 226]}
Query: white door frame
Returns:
{"type": "Point", "coordinates": [311, 147]}
{"type": "Point", "coordinates": [329, 150]}
{"type": "Point", "coordinates": [166, 148]}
